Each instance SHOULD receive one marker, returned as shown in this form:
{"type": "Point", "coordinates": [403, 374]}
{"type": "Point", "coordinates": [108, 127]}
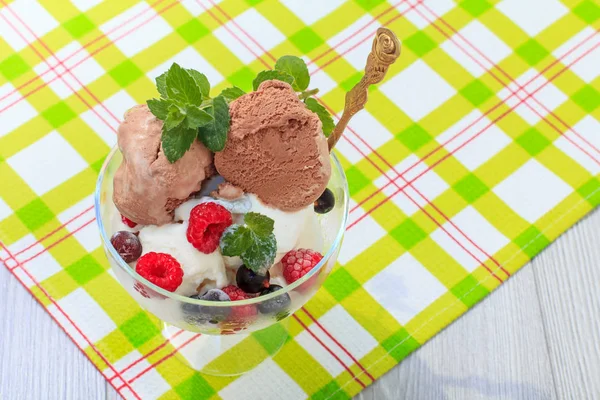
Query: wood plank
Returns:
{"type": "Point", "coordinates": [568, 281]}
{"type": "Point", "coordinates": [37, 360]}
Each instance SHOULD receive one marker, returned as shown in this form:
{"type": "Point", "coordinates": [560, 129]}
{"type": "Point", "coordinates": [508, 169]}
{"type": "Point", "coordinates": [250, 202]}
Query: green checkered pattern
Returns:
{"type": "Point", "coordinates": [480, 147]}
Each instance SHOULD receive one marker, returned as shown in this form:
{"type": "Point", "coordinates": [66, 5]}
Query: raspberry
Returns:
{"type": "Point", "coordinates": [207, 223]}
{"type": "Point", "coordinates": [240, 315]}
{"type": "Point", "coordinates": [296, 263]}
{"type": "Point", "coordinates": [128, 222]}
{"type": "Point", "coordinates": [235, 293]}
{"type": "Point", "coordinates": [161, 269]}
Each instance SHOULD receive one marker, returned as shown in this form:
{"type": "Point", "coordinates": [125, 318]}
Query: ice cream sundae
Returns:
{"type": "Point", "coordinates": [219, 198]}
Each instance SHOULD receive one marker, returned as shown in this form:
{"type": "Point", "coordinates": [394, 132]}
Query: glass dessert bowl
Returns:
{"type": "Point", "coordinates": [224, 337]}
{"type": "Point", "coordinates": [223, 215]}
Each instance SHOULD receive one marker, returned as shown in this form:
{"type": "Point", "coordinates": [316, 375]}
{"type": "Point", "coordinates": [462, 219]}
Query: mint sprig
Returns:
{"type": "Point", "coordinates": [260, 224]}
{"type": "Point", "coordinates": [196, 117]}
{"type": "Point", "coordinates": [161, 85]}
{"type": "Point", "coordinates": [254, 241]}
{"type": "Point", "coordinates": [232, 93]}
{"type": "Point", "coordinates": [293, 70]}
{"type": "Point", "coordinates": [201, 80]}
{"type": "Point", "coordinates": [159, 107]}
{"type": "Point", "coordinates": [188, 112]}
{"type": "Point", "coordinates": [176, 141]}
{"type": "Point", "coordinates": [296, 67]}
{"type": "Point", "coordinates": [181, 87]}
{"type": "Point", "coordinates": [326, 120]}
{"type": "Point", "coordinates": [214, 133]}
{"type": "Point", "coordinates": [268, 75]}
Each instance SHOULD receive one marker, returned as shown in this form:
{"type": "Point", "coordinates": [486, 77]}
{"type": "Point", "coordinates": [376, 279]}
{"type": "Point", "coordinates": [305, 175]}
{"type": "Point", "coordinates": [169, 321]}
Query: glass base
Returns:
{"type": "Point", "coordinates": [227, 355]}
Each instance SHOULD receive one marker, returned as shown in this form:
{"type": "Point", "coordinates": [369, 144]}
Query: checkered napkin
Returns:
{"type": "Point", "coordinates": [480, 148]}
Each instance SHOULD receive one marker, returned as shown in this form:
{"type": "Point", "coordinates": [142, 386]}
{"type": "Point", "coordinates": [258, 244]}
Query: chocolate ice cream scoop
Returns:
{"type": "Point", "coordinates": [147, 187]}
{"type": "Point", "coordinates": [275, 148]}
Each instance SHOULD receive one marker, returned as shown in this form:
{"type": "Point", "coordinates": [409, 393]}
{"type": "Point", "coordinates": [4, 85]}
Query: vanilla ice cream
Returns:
{"type": "Point", "coordinates": [199, 270]}
{"type": "Point", "coordinates": [288, 224]}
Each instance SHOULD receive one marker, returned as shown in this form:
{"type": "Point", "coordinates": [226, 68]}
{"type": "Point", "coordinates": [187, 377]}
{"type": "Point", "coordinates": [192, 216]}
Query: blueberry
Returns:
{"type": "Point", "coordinates": [325, 202]}
{"type": "Point", "coordinates": [197, 314]}
{"type": "Point", "coordinates": [250, 281]}
{"type": "Point", "coordinates": [215, 295]}
{"type": "Point", "coordinates": [275, 305]}
{"type": "Point", "coordinates": [189, 308]}
{"type": "Point", "coordinates": [127, 245]}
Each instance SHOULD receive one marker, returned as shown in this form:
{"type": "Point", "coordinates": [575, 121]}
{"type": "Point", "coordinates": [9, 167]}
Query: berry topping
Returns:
{"type": "Point", "coordinates": [235, 293]}
{"type": "Point", "coordinates": [127, 245]}
{"type": "Point", "coordinates": [199, 314]}
{"type": "Point", "coordinates": [325, 202]}
{"type": "Point", "coordinates": [250, 281]}
{"type": "Point", "coordinates": [128, 222]}
{"type": "Point", "coordinates": [208, 221]}
{"type": "Point", "coordinates": [275, 305]}
{"type": "Point", "coordinates": [239, 314]}
{"type": "Point", "coordinates": [161, 269]}
{"type": "Point", "coordinates": [215, 295]}
{"type": "Point", "coordinates": [296, 263]}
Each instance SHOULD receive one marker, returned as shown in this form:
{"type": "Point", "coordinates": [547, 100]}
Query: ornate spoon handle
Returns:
{"type": "Point", "coordinates": [385, 51]}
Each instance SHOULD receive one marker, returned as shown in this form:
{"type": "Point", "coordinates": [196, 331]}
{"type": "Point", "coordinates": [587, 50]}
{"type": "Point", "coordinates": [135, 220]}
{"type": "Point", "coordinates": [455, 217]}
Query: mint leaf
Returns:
{"type": "Point", "coordinates": [161, 85]}
{"type": "Point", "coordinates": [254, 242]}
{"type": "Point", "coordinates": [232, 93]}
{"type": "Point", "coordinates": [159, 107]}
{"type": "Point", "coordinates": [214, 134]}
{"type": "Point", "coordinates": [196, 117]}
{"type": "Point", "coordinates": [177, 141]}
{"type": "Point", "coordinates": [201, 80]}
{"type": "Point", "coordinates": [260, 224]}
{"type": "Point", "coordinates": [296, 67]}
{"type": "Point", "coordinates": [261, 252]}
{"type": "Point", "coordinates": [182, 87]}
{"type": "Point", "coordinates": [326, 120]}
{"type": "Point", "coordinates": [268, 75]}
{"type": "Point", "coordinates": [235, 240]}
{"type": "Point", "coordinates": [174, 118]}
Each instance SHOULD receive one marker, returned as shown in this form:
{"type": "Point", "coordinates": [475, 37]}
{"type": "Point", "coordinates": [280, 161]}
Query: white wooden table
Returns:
{"type": "Point", "coordinates": [536, 337]}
